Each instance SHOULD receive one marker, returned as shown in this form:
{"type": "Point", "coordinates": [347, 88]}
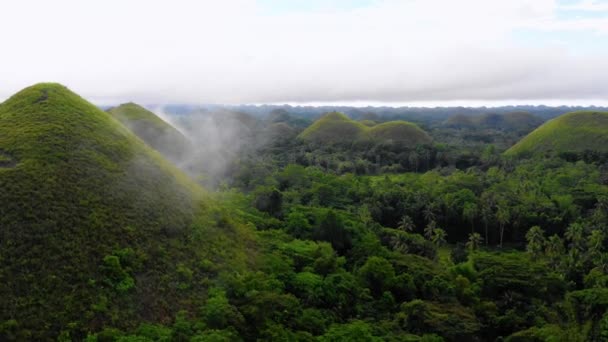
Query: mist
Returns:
{"type": "Point", "coordinates": [217, 140]}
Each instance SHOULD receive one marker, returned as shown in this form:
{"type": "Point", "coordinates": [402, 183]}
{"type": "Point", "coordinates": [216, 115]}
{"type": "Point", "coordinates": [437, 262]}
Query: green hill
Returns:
{"type": "Point", "coordinates": [153, 130]}
{"type": "Point", "coordinates": [337, 128]}
{"type": "Point", "coordinates": [459, 121]}
{"type": "Point", "coordinates": [96, 228]}
{"type": "Point", "coordinates": [572, 132]}
{"type": "Point", "coordinates": [399, 131]}
{"type": "Point", "coordinates": [368, 123]}
{"type": "Point", "coordinates": [333, 128]}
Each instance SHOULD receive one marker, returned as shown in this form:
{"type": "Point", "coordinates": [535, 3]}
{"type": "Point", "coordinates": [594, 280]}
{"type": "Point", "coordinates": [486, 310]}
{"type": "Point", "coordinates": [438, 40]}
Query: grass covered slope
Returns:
{"type": "Point", "coordinates": [333, 128]}
{"type": "Point", "coordinates": [96, 228]}
{"type": "Point", "coordinates": [337, 128]}
{"type": "Point", "coordinates": [399, 131]}
{"type": "Point", "coordinates": [573, 132]}
{"type": "Point", "coordinates": [153, 130]}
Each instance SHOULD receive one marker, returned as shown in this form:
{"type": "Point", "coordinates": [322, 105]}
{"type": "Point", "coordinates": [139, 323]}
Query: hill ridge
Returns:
{"type": "Point", "coordinates": [335, 127]}
{"type": "Point", "coordinates": [153, 130]}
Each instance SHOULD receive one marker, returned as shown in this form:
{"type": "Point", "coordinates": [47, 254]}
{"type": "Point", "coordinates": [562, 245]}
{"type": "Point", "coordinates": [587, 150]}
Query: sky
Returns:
{"type": "Point", "coordinates": [359, 52]}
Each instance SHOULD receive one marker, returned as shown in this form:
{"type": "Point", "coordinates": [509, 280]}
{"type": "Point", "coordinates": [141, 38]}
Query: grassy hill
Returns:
{"type": "Point", "coordinates": [153, 130]}
{"type": "Point", "coordinates": [399, 131]}
{"type": "Point", "coordinates": [96, 228]}
{"type": "Point", "coordinates": [572, 132]}
{"type": "Point", "coordinates": [337, 128]}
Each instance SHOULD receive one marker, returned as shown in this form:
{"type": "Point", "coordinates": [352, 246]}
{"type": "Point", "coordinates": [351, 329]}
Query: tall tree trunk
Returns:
{"type": "Point", "coordinates": [486, 230]}
{"type": "Point", "coordinates": [502, 232]}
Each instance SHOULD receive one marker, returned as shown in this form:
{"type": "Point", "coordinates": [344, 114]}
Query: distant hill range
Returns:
{"type": "Point", "coordinates": [514, 121]}
{"type": "Point", "coordinates": [413, 114]}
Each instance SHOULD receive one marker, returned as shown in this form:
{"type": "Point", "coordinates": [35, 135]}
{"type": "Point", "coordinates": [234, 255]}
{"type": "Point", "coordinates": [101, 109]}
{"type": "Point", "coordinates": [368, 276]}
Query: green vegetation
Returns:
{"type": "Point", "coordinates": [97, 229]}
{"type": "Point", "coordinates": [575, 132]}
{"type": "Point", "coordinates": [103, 240]}
{"type": "Point", "coordinates": [157, 133]}
{"type": "Point", "coordinates": [337, 128]}
{"type": "Point", "coordinates": [514, 121]}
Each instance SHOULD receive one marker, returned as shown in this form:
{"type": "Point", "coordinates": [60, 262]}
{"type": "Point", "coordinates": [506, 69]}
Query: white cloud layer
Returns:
{"type": "Point", "coordinates": [240, 51]}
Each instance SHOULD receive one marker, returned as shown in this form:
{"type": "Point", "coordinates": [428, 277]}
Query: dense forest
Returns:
{"type": "Point", "coordinates": [321, 227]}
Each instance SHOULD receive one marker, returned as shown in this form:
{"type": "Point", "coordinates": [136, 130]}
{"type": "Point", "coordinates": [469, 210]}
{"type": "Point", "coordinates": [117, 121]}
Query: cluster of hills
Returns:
{"type": "Point", "coordinates": [91, 203]}
{"type": "Point", "coordinates": [337, 128]}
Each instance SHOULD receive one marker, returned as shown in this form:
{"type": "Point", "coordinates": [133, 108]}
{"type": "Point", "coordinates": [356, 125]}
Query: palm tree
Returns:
{"type": "Point", "coordinates": [575, 235]}
{"type": "Point", "coordinates": [503, 216]}
{"type": "Point", "coordinates": [475, 240]}
{"type": "Point", "coordinates": [364, 215]}
{"type": "Point", "coordinates": [469, 211]}
{"type": "Point", "coordinates": [554, 249]}
{"type": "Point", "coordinates": [595, 245]}
{"type": "Point", "coordinates": [429, 214]}
{"type": "Point", "coordinates": [536, 241]}
{"type": "Point", "coordinates": [406, 224]}
{"type": "Point", "coordinates": [439, 236]}
{"type": "Point", "coordinates": [399, 243]}
{"type": "Point", "coordinates": [487, 203]}
{"type": "Point", "coordinates": [429, 230]}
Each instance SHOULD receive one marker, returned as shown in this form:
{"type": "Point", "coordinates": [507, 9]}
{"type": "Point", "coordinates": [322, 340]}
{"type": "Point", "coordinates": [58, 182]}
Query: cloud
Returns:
{"type": "Point", "coordinates": [238, 51]}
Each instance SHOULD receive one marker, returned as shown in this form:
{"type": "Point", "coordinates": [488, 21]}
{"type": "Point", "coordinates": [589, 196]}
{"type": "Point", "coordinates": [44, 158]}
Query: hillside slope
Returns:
{"type": "Point", "coordinates": [337, 128]}
{"type": "Point", "coordinates": [96, 229]}
{"type": "Point", "coordinates": [572, 132]}
{"type": "Point", "coordinates": [153, 130]}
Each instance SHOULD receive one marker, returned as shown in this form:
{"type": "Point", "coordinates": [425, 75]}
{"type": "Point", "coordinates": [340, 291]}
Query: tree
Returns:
{"type": "Point", "coordinates": [406, 224]}
{"type": "Point", "coordinates": [269, 200]}
{"type": "Point", "coordinates": [536, 241]}
{"type": "Point", "coordinates": [475, 240]}
{"type": "Point", "coordinates": [439, 236]}
{"type": "Point", "coordinates": [469, 211]}
{"type": "Point", "coordinates": [365, 215]}
{"type": "Point", "coordinates": [429, 213]}
{"type": "Point", "coordinates": [595, 246]}
{"type": "Point", "coordinates": [487, 203]}
{"type": "Point", "coordinates": [554, 249]}
{"type": "Point", "coordinates": [297, 225]}
{"type": "Point", "coordinates": [575, 236]}
{"type": "Point", "coordinates": [400, 242]}
{"type": "Point", "coordinates": [333, 231]}
{"type": "Point", "coordinates": [377, 274]}
{"type": "Point", "coordinates": [503, 216]}
{"type": "Point", "coordinates": [429, 230]}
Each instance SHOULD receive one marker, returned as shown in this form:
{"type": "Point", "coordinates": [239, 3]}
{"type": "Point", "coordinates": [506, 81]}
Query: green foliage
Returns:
{"type": "Point", "coordinates": [103, 240]}
{"type": "Point", "coordinates": [450, 321]}
{"type": "Point", "coordinates": [353, 331]}
{"type": "Point", "coordinates": [377, 274]}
